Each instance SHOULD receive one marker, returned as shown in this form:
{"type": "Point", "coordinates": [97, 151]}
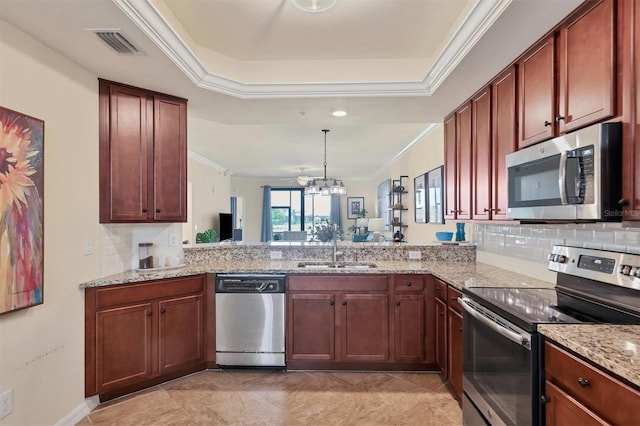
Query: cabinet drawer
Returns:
{"type": "Point", "coordinates": [452, 299]}
{"type": "Point", "coordinates": [336, 282]}
{"type": "Point", "coordinates": [590, 386]}
{"type": "Point", "coordinates": [440, 290]}
{"type": "Point", "coordinates": [133, 293]}
{"type": "Point", "coordinates": [408, 283]}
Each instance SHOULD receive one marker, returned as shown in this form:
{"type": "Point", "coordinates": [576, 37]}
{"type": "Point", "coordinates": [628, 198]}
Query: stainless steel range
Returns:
{"type": "Point", "coordinates": [502, 351]}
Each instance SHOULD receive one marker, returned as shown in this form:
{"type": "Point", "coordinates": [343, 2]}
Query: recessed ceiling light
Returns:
{"type": "Point", "coordinates": [314, 6]}
{"type": "Point", "coordinates": [339, 113]}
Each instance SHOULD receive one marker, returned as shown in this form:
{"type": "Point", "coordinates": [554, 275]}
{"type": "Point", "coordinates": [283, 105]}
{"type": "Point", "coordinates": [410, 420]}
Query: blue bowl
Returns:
{"type": "Point", "coordinates": [444, 236]}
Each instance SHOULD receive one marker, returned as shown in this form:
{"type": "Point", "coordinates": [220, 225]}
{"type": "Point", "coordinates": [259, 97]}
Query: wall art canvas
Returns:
{"type": "Point", "coordinates": [21, 210]}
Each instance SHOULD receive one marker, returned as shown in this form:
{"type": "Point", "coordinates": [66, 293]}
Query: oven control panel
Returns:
{"type": "Point", "coordinates": [622, 269]}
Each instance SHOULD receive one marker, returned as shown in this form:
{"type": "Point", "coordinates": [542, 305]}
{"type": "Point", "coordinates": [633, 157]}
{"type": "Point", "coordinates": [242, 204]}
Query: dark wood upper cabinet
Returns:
{"type": "Point", "coordinates": [464, 167]}
{"type": "Point", "coordinates": [504, 138]}
{"type": "Point", "coordinates": [481, 149]}
{"type": "Point", "coordinates": [450, 166]}
{"type": "Point", "coordinates": [568, 80]}
{"type": "Point", "coordinates": [143, 155]}
{"type": "Point", "coordinates": [537, 82]}
{"type": "Point", "coordinates": [586, 65]}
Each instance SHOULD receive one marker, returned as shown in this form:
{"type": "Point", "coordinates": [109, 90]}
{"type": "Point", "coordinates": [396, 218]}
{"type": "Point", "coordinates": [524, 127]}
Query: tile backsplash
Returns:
{"type": "Point", "coordinates": [534, 242]}
{"type": "Point", "coordinates": [119, 244]}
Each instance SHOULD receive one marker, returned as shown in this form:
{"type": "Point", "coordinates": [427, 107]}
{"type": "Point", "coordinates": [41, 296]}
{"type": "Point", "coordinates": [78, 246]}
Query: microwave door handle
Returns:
{"type": "Point", "coordinates": [511, 335]}
{"type": "Point", "coordinates": [562, 178]}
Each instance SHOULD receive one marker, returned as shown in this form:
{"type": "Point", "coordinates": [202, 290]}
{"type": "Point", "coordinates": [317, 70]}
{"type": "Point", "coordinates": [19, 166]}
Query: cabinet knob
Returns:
{"type": "Point", "coordinates": [452, 211]}
{"type": "Point", "coordinates": [148, 313]}
{"type": "Point", "coordinates": [623, 202]}
{"type": "Point", "coordinates": [344, 303]}
{"type": "Point", "coordinates": [158, 210]}
{"type": "Point", "coordinates": [454, 298]}
{"type": "Point", "coordinates": [486, 210]}
{"type": "Point", "coordinates": [397, 303]}
{"type": "Point", "coordinates": [547, 123]}
{"type": "Point", "coordinates": [144, 210]}
{"type": "Point", "coordinates": [441, 313]}
{"type": "Point", "coordinates": [331, 302]}
{"type": "Point", "coordinates": [583, 382]}
{"type": "Point", "coordinates": [544, 399]}
{"type": "Point", "coordinates": [163, 310]}
{"type": "Point", "coordinates": [460, 329]}
{"type": "Point", "coordinates": [559, 118]}
{"type": "Point", "coordinates": [409, 284]}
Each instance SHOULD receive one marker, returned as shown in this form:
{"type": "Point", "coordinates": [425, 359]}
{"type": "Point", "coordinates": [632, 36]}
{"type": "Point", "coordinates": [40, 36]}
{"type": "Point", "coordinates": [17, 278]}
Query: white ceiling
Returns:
{"type": "Point", "coordinates": [262, 76]}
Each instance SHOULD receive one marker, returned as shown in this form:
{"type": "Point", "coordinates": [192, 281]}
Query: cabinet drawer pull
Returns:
{"type": "Point", "coordinates": [544, 399]}
{"type": "Point", "coordinates": [163, 310]}
{"type": "Point", "coordinates": [397, 303]}
{"type": "Point", "coordinates": [144, 210]}
{"type": "Point", "coordinates": [158, 210]}
{"type": "Point", "coordinates": [441, 313]}
{"type": "Point", "coordinates": [344, 303]}
{"type": "Point", "coordinates": [148, 313]}
{"type": "Point", "coordinates": [583, 382]}
{"type": "Point", "coordinates": [454, 298]}
{"type": "Point", "coordinates": [623, 202]}
{"type": "Point", "coordinates": [559, 118]}
{"type": "Point", "coordinates": [331, 302]}
{"type": "Point", "coordinates": [547, 123]}
{"type": "Point", "coordinates": [486, 210]}
{"type": "Point", "coordinates": [409, 284]}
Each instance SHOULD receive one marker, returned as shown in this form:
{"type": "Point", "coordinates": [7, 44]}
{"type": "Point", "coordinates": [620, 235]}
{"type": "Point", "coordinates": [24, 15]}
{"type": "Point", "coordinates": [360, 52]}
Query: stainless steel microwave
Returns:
{"type": "Point", "coordinates": [574, 177]}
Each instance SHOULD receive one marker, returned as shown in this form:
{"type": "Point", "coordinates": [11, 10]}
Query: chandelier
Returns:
{"type": "Point", "coordinates": [325, 186]}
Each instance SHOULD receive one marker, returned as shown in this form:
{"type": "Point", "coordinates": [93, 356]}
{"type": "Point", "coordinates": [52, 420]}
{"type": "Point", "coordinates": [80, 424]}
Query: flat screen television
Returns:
{"type": "Point", "coordinates": [226, 226]}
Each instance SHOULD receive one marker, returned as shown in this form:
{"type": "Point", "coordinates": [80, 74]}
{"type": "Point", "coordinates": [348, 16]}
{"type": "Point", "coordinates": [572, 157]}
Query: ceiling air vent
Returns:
{"type": "Point", "coordinates": [118, 42]}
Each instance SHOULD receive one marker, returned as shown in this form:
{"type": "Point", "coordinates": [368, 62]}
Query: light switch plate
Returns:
{"type": "Point", "coordinates": [88, 247]}
{"type": "Point", "coordinates": [173, 239]}
{"type": "Point", "coordinates": [415, 254]}
{"type": "Point", "coordinates": [6, 403]}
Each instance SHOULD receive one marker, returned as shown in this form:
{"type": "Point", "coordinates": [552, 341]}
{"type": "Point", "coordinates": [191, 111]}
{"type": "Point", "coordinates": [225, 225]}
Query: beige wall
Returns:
{"type": "Point", "coordinates": [41, 348]}
{"type": "Point", "coordinates": [209, 196]}
{"type": "Point", "coordinates": [419, 159]}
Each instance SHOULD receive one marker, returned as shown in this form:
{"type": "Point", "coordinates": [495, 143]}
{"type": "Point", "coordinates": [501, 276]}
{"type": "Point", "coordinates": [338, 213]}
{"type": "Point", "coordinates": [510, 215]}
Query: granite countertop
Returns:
{"type": "Point", "coordinates": [458, 274]}
{"type": "Point", "coordinates": [614, 347]}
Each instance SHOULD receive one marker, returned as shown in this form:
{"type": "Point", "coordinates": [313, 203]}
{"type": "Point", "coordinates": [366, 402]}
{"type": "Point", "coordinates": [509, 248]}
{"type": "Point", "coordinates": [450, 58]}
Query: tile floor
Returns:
{"type": "Point", "coordinates": [244, 397]}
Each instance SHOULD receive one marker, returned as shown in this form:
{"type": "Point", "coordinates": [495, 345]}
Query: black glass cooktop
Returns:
{"type": "Point", "coordinates": [527, 307]}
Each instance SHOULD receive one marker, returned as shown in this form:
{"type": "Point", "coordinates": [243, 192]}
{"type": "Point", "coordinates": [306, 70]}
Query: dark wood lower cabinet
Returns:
{"type": "Point", "coordinates": [455, 352]}
{"type": "Point", "coordinates": [311, 326]}
{"type": "Point", "coordinates": [138, 334]}
{"type": "Point", "coordinates": [441, 336]}
{"type": "Point", "coordinates": [359, 321]}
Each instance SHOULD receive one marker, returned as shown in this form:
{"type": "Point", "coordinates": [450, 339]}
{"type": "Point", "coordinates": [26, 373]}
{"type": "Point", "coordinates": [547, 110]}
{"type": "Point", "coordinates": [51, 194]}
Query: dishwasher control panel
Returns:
{"type": "Point", "coordinates": [250, 283]}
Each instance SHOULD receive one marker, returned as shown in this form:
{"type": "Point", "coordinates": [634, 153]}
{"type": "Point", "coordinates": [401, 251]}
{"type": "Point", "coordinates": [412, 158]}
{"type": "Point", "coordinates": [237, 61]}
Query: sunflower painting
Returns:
{"type": "Point", "coordinates": [21, 210]}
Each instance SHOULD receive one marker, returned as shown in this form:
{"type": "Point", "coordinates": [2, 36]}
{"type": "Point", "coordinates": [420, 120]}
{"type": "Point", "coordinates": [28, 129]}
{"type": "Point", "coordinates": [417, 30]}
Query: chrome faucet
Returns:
{"type": "Point", "coordinates": [336, 253]}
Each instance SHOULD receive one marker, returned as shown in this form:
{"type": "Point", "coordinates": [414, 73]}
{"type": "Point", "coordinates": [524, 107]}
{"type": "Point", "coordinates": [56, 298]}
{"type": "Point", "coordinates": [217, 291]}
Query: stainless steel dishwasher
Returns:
{"type": "Point", "coordinates": [250, 324]}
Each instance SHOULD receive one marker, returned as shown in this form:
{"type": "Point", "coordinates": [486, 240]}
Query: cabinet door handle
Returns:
{"type": "Point", "coordinates": [559, 118]}
{"type": "Point", "coordinates": [583, 382]}
{"type": "Point", "coordinates": [409, 284]}
{"type": "Point", "coordinates": [144, 210]}
{"type": "Point", "coordinates": [344, 303]}
{"type": "Point", "coordinates": [441, 313]}
{"type": "Point", "coordinates": [148, 313]}
{"type": "Point", "coordinates": [158, 210]}
{"type": "Point", "coordinates": [544, 399]}
{"type": "Point", "coordinates": [331, 302]}
{"type": "Point", "coordinates": [623, 202]}
{"type": "Point", "coordinates": [454, 298]}
{"type": "Point", "coordinates": [460, 329]}
{"type": "Point", "coordinates": [547, 123]}
{"type": "Point", "coordinates": [452, 211]}
{"type": "Point", "coordinates": [486, 210]}
{"type": "Point", "coordinates": [163, 310]}
{"type": "Point", "coordinates": [397, 303]}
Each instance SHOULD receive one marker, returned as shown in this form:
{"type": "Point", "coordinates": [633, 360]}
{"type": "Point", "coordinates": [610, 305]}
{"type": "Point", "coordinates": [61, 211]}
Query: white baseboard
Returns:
{"type": "Point", "coordinates": [80, 412]}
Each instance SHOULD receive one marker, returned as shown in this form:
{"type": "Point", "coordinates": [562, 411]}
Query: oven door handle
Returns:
{"type": "Point", "coordinates": [511, 335]}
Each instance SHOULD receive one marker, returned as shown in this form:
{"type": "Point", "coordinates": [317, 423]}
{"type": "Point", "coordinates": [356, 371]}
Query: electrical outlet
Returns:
{"type": "Point", "coordinates": [88, 247]}
{"type": "Point", "coordinates": [6, 403]}
{"type": "Point", "coordinates": [275, 254]}
{"type": "Point", "coordinates": [173, 239]}
{"type": "Point", "coordinates": [415, 254]}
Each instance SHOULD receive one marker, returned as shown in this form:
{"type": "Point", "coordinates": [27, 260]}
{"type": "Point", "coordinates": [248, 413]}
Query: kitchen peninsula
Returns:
{"type": "Point", "coordinates": [453, 266]}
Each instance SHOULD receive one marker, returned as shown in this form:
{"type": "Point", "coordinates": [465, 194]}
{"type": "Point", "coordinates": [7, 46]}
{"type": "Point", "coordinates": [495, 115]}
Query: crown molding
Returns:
{"type": "Point", "coordinates": [480, 18]}
{"type": "Point", "coordinates": [203, 160]}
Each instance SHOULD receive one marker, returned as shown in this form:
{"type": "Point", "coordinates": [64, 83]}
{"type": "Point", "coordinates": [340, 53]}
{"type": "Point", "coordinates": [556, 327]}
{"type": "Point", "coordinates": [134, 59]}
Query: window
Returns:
{"type": "Point", "coordinates": [291, 210]}
{"type": "Point", "coordinates": [287, 211]}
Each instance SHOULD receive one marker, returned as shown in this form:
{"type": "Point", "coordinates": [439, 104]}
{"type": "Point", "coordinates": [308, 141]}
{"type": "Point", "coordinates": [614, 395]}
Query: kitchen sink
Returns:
{"type": "Point", "coordinates": [336, 265]}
